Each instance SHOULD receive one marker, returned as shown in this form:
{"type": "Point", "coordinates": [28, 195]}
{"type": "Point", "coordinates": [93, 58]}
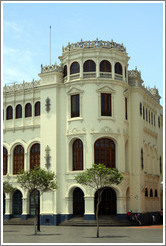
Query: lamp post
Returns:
{"type": "Point", "coordinates": [38, 212]}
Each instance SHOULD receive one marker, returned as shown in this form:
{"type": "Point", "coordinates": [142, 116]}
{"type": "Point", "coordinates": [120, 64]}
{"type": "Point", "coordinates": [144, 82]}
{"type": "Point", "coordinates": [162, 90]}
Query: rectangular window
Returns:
{"type": "Point", "coordinates": [106, 104]}
{"type": "Point", "coordinates": [126, 108]}
{"type": "Point", "coordinates": [75, 106]}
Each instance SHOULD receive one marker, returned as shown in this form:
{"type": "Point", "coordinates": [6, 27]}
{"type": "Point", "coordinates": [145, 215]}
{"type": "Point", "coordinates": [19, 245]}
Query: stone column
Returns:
{"type": "Point", "coordinates": [123, 72]}
{"type": "Point", "coordinates": [9, 165]}
{"type": "Point", "coordinates": [68, 71]}
{"type": "Point", "coordinates": [121, 205]}
{"type": "Point", "coordinates": [8, 210]}
{"type": "Point", "coordinates": [81, 69]}
{"type": "Point", "coordinates": [26, 166]}
{"type": "Point", "coordinates": [25, 208]}
{"type": "Point", "coordinates": [113, 70]}
{"type": "Point", "coordinates": [97, 69]}
{"type": "Point", "coordinates": [121, 154]}
{"type": "Point", "coordinates": [89, 213]}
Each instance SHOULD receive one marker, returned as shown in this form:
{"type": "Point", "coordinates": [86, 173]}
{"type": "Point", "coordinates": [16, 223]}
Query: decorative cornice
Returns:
{"type": "Point", "coordinates": [21, 87]}
{"type": "Point", "coordinates": [51, 68]}
{"type": "Point", "coordinates": [94, 44]}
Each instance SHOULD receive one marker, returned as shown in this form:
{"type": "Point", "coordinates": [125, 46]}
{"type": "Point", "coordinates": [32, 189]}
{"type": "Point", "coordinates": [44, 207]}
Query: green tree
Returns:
{"type": "Point", "coordinates": [98, 177]}
{"type": "Point", "coordinates": [35, 180]}
{"type": "Point", "coordinates": [7, 187]}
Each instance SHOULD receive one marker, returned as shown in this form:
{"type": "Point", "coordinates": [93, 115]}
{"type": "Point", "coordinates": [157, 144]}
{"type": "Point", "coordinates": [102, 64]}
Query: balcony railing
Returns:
{"type": "Point", "coordinates": [105, 75]}
{"type": "Point", "coordinates": [74, 76]}
{"type": "Point", "coordinates": [89, 75]}
{"type": "Point", "coordinates": [118, 76]}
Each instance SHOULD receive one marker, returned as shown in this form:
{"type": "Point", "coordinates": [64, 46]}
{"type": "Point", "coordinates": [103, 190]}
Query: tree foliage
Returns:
{"type": "Point", "coordinates": [7, 187]}
{"type": "Point", "coordinates": [99, 177]}
{"type": "Point", "coordinates": [37, 179]}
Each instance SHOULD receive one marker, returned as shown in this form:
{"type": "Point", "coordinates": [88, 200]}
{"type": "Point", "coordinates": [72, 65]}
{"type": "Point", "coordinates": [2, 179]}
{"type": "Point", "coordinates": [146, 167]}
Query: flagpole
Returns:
{"type": "Point", "coordinates": [50, 45]}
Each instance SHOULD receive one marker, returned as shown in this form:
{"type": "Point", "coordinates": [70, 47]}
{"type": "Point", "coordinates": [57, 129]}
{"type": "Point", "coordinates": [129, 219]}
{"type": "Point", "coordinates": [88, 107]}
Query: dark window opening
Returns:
{"type": "Point", "coordinates": [75, 106]}
{"type": "Point", "coordinates": [65, 71]}
{"type": "Point", "coordinates": [106, 104]}
{"type": "Point", "coordinates": [104, 150]}
{"type": "Point", "coordinates": [105, 66]}
{"type": "Point", "coordinates": [77, 155]}
{"type": "Point", "coordinates": [37, 108]}
{"type": "Point", "coordinates": [18, 159]}
{"type": "Point", "coordinates": [118, 68]}
{"type": "Point", "coordinates": [9, 113]}
{"type": "Point", "coordinates": [140, 108]}
{"type": "Point", "coordinates": [89, 66]}
{"type": "Point", "coordinates": [126, 116]}
{"type": "Point", "coordinates": [151, 193]}
{"type": "Point", "coordinates": [142, 159]}
{"type": "Point", "coordinates": [74, 68]}
{"type": "Point", "coordinates": [28, 110]}
{"type": "Point", "coordinates": [5, 159]}
{"type": "Point", "coordinates": [35, 156]}
{"type": "Point", "coordinates": [18, 111]}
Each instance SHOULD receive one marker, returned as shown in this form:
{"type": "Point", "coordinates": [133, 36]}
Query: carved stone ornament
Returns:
{"type": "Point", "coordinates": [47, 104]}
{"type": "Point", "coordinates": [47, 157]}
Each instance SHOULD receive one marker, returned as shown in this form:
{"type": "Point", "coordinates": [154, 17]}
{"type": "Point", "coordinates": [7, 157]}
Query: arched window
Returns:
{"type": "Point", "coordinates": [18, 159]}
{"type": "Point", "coordinates": [77, 155]}
{"type": "Point", "coordinates": [17, 203]}
{"type": "Point", "coordinates": [74, 68]}
{"type": "Point", "coordinates": [155, 193]}
{"type": "Point", "coordinates": [5, 155]}
{"type": "Point", "coordinates": [105, 66]}
{"type": "Point", "coordinates": [146, 192]}
{"type": "Point", "coordinates": [140, 107]}
{"type": "Point", "coordinates": [18, 111]}
{"type": "Point", "coordinates": [28, 110]}
{"type": "Point", "coordinates": [104, 150]}
{"type": "Point", "coordinates": [146, 114]}
{"type": "Point", "coordinates": [118, 68]}
{"type": "Point", "coordinates": [9, 113]}
{"type": "Point", "coordinates": [65, 71]}
{"type": "Point", "coordinates": [37, 108]}
{"type": "Point", "coordinates": [151, 193]}
{"type": "Point", "coordinates": [35, 156]}
{"type": "Point", "coordinates": [89, 66]}
{"type": "Point", "coordinates": [143, 113]}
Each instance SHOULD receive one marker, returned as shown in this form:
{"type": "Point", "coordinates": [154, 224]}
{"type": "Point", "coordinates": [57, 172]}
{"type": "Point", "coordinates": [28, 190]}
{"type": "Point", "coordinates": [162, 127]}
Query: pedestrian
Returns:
{"type": "Point", "coordinates": [129, 215]}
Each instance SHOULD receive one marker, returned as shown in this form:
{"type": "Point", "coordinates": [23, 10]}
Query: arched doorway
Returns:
{"type": "Point", "coordinates": [78, 202]}
{"type": "Point", "coordinates": [32, 203]}
{"type": "Point", "coordinates": [17, 203]}
{"type": "Point", "coordinates": [108, 202]}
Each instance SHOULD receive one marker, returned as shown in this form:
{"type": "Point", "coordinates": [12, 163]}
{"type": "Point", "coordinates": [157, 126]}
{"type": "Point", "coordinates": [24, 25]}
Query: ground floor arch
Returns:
{"type": "Point", "coordinates": [17, 203]}
{"type": "Point", "coordinates": [4, 203]}
{"type": "Point", "coordinates": [78, 202]}
{"type": "Point", "coordinates": [108, 205]}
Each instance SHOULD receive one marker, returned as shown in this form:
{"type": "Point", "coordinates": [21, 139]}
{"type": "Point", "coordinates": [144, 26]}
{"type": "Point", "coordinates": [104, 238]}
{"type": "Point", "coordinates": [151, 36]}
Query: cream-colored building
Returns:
{"type": "Point", "coordinates": [90, 109]}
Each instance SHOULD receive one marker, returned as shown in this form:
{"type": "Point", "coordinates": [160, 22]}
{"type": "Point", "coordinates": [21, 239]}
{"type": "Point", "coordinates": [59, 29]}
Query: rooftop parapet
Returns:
{"type": "Point", "coordinates": [94, 44]}
{"type": "Point", "coordinates": [20, 87]}
{"type": "Point", "coordinates": [51, 68]}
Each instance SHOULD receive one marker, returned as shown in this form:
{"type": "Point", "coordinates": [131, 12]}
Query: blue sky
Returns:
{"type": "Point", "coordinates": [26, 35]}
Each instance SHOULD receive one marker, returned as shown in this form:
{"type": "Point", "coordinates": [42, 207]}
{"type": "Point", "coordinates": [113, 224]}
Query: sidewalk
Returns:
{"type": "Point", "coordinates": [67, 234]}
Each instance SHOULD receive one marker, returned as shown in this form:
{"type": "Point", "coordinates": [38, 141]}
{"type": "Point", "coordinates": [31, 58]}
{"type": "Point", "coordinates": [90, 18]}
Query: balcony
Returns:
{"type": "Point", "coordinates": [105, 75]}
{"type": "Point", "coordinates": [89, 75]}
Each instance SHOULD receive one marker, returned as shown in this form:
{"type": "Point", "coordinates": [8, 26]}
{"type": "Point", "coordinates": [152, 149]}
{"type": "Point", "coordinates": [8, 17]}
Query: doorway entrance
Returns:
{"type": "Point", "coordinates": [17, 203]}
{"type": "Point", "coordinates": [108, 202]}
{"type": "Point", "coordinates": [78, 202]}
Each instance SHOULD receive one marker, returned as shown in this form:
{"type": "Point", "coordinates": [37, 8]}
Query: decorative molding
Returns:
{"type": "Point", "coordinates": [106, 89]}
{"type": "Point", "coordinates": [94, 44]}
{"type": "Point", "coordinates": [51, 68]}
{"type": "Point", "coordinates": [74, 90]}
{"type": "Point", "coordinates": [76, 131]}
{"type": "Point", "coordinates": [47, 157]}
{"type": "Point", "coordinates": [21, 87]}
{"type": "Point", "coordinates": [47, 104]}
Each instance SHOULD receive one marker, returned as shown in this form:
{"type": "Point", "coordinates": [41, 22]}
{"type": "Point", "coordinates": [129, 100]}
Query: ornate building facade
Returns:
{"type": "Point", "coordinates": [90, 109]}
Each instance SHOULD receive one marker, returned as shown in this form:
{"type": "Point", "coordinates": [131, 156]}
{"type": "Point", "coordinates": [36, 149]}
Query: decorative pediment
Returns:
{"type": "Point", "coordinates": [74, 90]}
{"type": "Point", "coordinates": [106, 89]}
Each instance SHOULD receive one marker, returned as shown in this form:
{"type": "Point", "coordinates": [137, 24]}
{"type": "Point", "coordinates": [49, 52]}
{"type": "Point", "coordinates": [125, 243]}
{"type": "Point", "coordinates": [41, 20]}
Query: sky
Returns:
{"type": "Point", "coordinates": [26, 35]}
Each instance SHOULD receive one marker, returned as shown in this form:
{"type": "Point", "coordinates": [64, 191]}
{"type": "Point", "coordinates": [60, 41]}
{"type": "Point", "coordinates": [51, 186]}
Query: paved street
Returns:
{"type": "Point", "coordinates": [67, 234]}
